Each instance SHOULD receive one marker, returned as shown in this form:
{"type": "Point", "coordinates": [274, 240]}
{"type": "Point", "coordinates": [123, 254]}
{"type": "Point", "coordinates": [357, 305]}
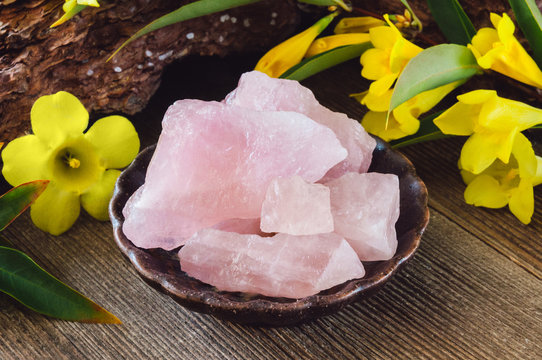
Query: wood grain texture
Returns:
{"type": "Point", "coordinates": [459, 298]}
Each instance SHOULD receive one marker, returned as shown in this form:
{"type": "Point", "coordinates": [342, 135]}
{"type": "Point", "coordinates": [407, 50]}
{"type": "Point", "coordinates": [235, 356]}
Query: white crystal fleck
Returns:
{"type": "Point", "coordinates": [90, 72]}
{"type": "Point", "coordinates": [148, 53]}
{"type": "Point", "coordinates": [190, 35]}
{"type": "Point", "coordinates": [117, 69]}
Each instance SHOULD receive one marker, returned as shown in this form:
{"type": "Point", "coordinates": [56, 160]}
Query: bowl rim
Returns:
{"type": "Point", "coordinates": [262, 310]}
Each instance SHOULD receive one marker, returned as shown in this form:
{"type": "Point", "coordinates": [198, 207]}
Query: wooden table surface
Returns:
{"type": "Point", "coordinates": [472, 291]}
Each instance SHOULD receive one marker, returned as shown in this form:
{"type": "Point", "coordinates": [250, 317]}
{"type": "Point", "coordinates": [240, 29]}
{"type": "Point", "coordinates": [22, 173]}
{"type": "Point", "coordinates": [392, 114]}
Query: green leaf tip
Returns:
{"type": "Point", "coordinates": [25, 281]}
{"type": "Point", "coordinates": [529, 20]}
{"type": "Point", "coordinates": [452, 21]}
{"type": "Point", "coordinates": [433, 67]}
{"type": "Point", "coordinates": [17, 200]}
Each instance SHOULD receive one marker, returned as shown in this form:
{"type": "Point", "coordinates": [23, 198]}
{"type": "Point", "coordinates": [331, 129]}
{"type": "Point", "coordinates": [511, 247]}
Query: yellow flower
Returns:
{"type": "Point", "coordinates": [357, 24]}
{"type": "Point", "coordinates": [388, 58]}
{"type": "Point", "coordinates": [72, 7]}
{"type": "Point", "coordinates": [509, 183]}
{"type": "Point", "coordinates": [497, 49]}
{"type": "Point", "coordinates": [290, 52]}
{"type": "Point", "coordinates": [330, 42]}
{"type": "Point", "coordinates": [493, 124]}
{"type": "Point", "coordinates": [403, 120]}
{"type": "Point", "coordinates": [75, 163]}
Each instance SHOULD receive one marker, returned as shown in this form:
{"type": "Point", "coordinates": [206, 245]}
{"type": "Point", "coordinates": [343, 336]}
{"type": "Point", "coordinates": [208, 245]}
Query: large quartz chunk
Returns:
{"type": "Point", "coordinates": [280, 266]}
{"type": "Point", "coordinates": [258, 91]}
{"type": "Point", "coordinates": [214, 161]}
{"type": "Point", "coordinates": [293, 206]}
{"type": "Point", "coordinates": [365, 208]}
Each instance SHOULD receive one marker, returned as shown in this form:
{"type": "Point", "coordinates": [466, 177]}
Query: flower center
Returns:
{"type": "Point", "coordinates": [75, 165]}
{"type": "Point", "coordinates": [71, 161]}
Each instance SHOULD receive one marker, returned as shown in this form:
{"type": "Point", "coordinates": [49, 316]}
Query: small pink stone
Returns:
{"type": "Point", "coordinates": [295, 207]}
{"type": "Point", "coordinates": [365, 208]}
{"type": "Point", "coordinates": [279, 266]}
{"type": "Point", "coordinates": [258, 91]}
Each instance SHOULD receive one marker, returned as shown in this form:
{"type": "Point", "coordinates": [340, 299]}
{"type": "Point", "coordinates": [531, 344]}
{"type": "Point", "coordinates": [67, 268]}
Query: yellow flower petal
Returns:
{"type": "Point", "coordinates": [377, 103]}
{"type": "Point", "coordinates": [522, 202]}
{"type": "Point", "coordinates": [24, 159]}
{"type": "Point", "coordinates": [458, 119]}
{"type": "Point", "coordinates": [359, 24]}
{"type": "Point", "coordinates": [383, 37]}
{"type": "Point", "coordinates": [523, 152]}
{"type": "Point", "coordinates": [537, 180]}
{"type": "Point", "coordinates": [505, 54]}
{"type": "Point", "coordinates": [55, 210]}
{"type": "Point", "coordinates": [326, 43]}
{"type": "Point", "coordinates": [58, 117]}
{"type": "Point", "coordinates": [485, 191]}
{"type": "Point", "coordinates": [477, 97]}
{"type": "Point", "coordinates": [481, 149]}
{"type": "Point", "coordinates": [290, 52]}
{"type": "Point", "coordinates": [375, 123]}
{"type": "Point", "coordinates": [96, 200]}
{"type": "Point", "coordinates": [115, 140]}
{"type": "Point", "coordinates": [88, 2]}
{"type": "Point", "coordinates": [381, 86]}
{"type": "Point", "coordinates": [375, 64]}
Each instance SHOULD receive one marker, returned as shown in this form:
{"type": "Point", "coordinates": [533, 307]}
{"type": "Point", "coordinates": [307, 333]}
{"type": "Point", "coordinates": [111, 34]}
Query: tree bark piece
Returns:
{"type": "Point", "coordinates": [36, 60]}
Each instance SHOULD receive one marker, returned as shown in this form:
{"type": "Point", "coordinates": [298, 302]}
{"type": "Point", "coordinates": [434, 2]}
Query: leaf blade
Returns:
{"type": "Point", "coordinates": [18, 199]}
{"type": "Point", "coordinates": [28, 283]}
{"type": "Point", "coordinates": [325, 60]}
{"type": "Point", "coordinates": [452, 21]}
{"type": "Point", "coordinates": [529, 19]}
{"type": "Point", "coordinates": [433, 67]}
{"type": "Point", "coordinates": [186, 12]}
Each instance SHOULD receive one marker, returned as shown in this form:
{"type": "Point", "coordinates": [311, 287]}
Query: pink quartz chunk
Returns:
{"type": "Point", "coordinates": [240, 226]}
{"type": "Point", "coordinates": [214, 161]}
{"type": "Point", "coordinates": [295, 207]}
{"type": "Point", "coordinates": [258, 91]}
{"type": "Point", "coordinates": [365, 208]}
{"type": "Point", "coordinates": [280, 266]}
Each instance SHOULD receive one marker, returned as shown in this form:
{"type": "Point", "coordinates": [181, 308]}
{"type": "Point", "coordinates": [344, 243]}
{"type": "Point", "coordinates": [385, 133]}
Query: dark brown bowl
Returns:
{"type": "Point", "coordinates": [161, 268]}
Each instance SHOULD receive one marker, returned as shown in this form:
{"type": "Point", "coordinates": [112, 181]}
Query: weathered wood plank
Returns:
{"type": "Point", "coordinates": [458, 298]}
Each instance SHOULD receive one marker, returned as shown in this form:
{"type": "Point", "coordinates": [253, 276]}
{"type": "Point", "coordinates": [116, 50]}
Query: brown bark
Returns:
{"type": "Point", "coordinates": [36, 60]}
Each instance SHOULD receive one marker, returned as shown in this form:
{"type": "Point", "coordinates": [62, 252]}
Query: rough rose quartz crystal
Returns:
{"type": "Point", "coordinates": [279, 266]}
{"type": "Point", "coordinates": [293, 206]}
{"type": "Point", "coordinates": [214, 161]}
{"type": "Point", "coordinates": [258, 91]}
{"type": "Point", "coordinates": [365, 208]}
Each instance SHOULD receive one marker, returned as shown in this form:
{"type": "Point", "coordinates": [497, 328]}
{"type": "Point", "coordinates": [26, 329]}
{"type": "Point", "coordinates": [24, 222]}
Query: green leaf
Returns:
{"type": "Point", "coordinates": [529, 19]}
{"type": "Point", "coordinates": [428, 131]}
{"type": "Point", "coordinates": [345, 5]}
{"type": "Point", "coordinates": [414, 17]}
{"type": "Point", "coordinates": [325, 60]}
{"type": "Point", "coordinates": [452, 21]}
{"type": "Point", "coordinates": [433, 67]}
{"type": "Point", "coordinates": [186, 12]}
{"type": "Point", "coordinates": [26, 281]}
{"type": "Point", "coordinates": [18, 199]}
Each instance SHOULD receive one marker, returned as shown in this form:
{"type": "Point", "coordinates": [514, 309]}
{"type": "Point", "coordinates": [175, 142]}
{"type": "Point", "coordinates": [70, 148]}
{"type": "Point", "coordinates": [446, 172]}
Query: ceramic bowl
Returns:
{"type": "Point", "coordinates": [161, 268]}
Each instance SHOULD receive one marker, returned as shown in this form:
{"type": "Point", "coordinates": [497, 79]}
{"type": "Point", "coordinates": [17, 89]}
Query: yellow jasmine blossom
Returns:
{"type": "Point", "coordinates": [388, 58]}
{"type": "Point", "coordinates": [357, 24]}
{"type": "Point", "coordinates": [290, 52]}
{"type": "Point", "coordinates": [403, 120]}
{"type": "Point", "coordinates": [497, 49]}
{"type": "Point", "coordinates": [492, 122]}
{"type": "Point", "coordinates": [509, 183]}
{"type": "Point", "coordinates": [80, 166]}
{"type": "Point", "coordinates": [330, 42]}
{"type": "Point", "coordinates": [72, 7]}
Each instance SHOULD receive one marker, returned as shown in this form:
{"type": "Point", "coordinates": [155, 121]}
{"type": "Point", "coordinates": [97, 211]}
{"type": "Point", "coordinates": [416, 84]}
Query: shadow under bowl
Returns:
{"type": "Point", "coordinates": [161, 269]}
